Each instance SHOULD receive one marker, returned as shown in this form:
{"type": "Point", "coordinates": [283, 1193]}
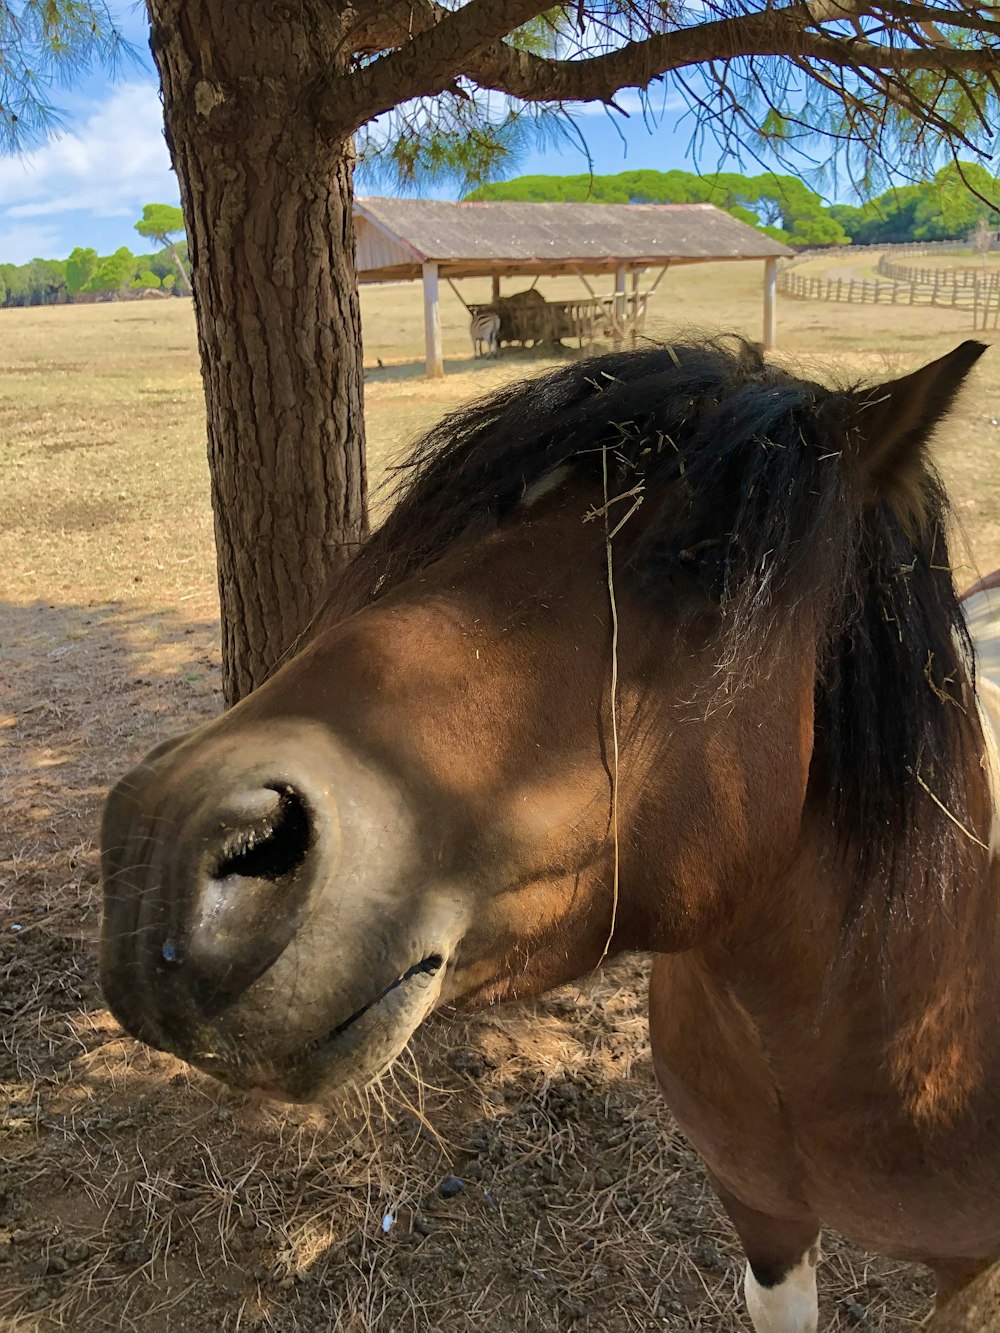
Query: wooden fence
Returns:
{"type": "Point", "coordinates": [987, 314]}
{"type": "Point", "coordinates": [956, 289]}
{"type": "Point", "coordinates": [954, 276]}
{"type": "Point", "coordinates": [886, 247]}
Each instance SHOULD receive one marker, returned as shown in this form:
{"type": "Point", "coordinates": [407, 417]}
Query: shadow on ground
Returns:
{"type": "Point", "coordinates": [529, 359]}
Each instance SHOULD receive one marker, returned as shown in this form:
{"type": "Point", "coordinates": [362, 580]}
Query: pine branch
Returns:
{"type": "Point", "coordinates": [971, 20]}
{"type": "Point", "coordinates": [783, 32]}
{"type": "Point", "coordinates": [427, 63]}
{"type": "Point", "coordinates": [467, 42]}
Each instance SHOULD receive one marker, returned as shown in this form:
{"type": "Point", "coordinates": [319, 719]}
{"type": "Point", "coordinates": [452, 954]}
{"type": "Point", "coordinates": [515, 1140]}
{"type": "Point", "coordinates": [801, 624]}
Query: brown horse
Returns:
{"type": "Point", "coordinates": [661, 652]}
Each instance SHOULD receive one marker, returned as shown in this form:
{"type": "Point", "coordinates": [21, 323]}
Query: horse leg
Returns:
{"type": "Point", "coordinates": [717, 1081]}
{"type": "Point", "coordinates": [954, 1275]}
{"type": "Point", "coordinates": [780, 1280]}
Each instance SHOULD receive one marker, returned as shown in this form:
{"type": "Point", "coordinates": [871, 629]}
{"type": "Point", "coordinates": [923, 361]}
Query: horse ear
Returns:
{"type": "Point", "coordinates": [891, 424]}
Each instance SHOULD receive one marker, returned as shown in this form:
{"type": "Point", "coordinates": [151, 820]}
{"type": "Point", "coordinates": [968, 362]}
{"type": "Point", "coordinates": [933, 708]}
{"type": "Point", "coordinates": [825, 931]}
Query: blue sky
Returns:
{"type": "Point", "coordinates": [87, 185]}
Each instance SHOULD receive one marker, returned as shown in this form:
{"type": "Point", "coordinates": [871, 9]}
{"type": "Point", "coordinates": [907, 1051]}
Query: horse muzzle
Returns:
{"type": "Point", "coordinates": [266, 914]}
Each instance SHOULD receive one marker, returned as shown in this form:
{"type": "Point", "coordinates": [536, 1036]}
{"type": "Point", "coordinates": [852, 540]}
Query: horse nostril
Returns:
{"type": "Point", "coordinates": [272, 844]}
{"type": "Point", "coordinates": [249, 897]}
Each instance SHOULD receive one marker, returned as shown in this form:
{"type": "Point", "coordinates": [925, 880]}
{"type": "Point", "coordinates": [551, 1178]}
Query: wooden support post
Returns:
{"type": "Point", "coordinates": [495, 292]}
{"type": "Point", "coordinates": [619, 306]}
{"type": "Point", "coordinates": [770, 302]}
{"type": "Point", "coordinates": [432, 324]}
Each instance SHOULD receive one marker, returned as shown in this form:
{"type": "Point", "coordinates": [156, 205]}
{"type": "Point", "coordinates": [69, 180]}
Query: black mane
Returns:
{"type": "Point", "coordinates": [745, 471]}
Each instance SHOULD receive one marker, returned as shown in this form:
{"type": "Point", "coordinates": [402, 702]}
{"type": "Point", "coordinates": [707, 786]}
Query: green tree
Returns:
{"type": "Point", "coordinates": [946, 207]}
{"type": "Point", "coordinates": [114, 272]}
{"type": "Point", "coordinates": [14, 284]}
{"type": "Point", "coordinates": [161, 222]}
{"type": "Point", "coordinates": [80, 268]}
{"type": "Point", "coordinates": [962, 193]}
{"type": "Point", "coordinates": [787, 203]}
{"type": "Point", "coordinates": [145, 279]}
{"type": "Point", "coordinates": [163, 263]}
{"type": "Point", "coordinates": [780, 205]}
{"type": "Point", "coordinates": [46, 281]}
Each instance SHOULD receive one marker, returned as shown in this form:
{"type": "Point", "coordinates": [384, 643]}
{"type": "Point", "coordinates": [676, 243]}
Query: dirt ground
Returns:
{"type": "Point", "coordinates": [136, 1194]}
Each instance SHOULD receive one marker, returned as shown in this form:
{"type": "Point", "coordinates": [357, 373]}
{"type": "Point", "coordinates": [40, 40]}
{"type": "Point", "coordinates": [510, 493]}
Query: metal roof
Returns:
{"type": "Point", "coordinates": [467, 238]}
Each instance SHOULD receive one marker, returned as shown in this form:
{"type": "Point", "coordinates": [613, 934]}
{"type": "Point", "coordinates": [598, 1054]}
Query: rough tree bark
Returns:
{"type": "Point", "coordinates": [267, 203]}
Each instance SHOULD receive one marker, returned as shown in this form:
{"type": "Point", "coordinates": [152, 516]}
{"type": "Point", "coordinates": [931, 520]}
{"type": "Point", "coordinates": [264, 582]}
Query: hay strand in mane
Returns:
{"type": "Point", "coordinates": [745, 473]}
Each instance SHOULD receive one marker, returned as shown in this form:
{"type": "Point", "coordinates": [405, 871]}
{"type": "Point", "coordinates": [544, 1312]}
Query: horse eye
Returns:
{"type": "Point", "coordinates": [705, 563]}
{"type": "Point", "coordinates": [696, 555]}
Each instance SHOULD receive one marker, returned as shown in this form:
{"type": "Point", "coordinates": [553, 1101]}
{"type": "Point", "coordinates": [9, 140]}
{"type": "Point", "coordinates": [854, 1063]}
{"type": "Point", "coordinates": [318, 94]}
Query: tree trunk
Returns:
{"type": "Point", "coordinates": [178, 265]}
{"type": "Point", "coordinates": [267, 207]}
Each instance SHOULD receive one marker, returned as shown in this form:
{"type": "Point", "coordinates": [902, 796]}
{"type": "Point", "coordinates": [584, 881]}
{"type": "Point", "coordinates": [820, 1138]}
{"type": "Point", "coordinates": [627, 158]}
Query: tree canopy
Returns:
{"type": "Point", "coordinates": [114, 272]}
{"type": "Point", "coordinates": [80, 269]}
{"type": "Point", "coordinates": [945, 207]}
{"type": "Point", "coordinates": [937, 210]}
{"type": "Point", "coordinates": [160, 222]}
{"type": "Point", "coordinates": [782, 206]}
{"type": "Point", "coordinates": [887, 84]}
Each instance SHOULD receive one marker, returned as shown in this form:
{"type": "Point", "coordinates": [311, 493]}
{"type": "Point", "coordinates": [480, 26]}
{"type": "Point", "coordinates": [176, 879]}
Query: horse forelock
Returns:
{"type": "Point", "coordinates": [740, 467]}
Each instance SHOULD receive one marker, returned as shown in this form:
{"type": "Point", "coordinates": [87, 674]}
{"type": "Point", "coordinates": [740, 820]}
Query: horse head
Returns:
{"type": "Point", "coordinates": [572, 698]}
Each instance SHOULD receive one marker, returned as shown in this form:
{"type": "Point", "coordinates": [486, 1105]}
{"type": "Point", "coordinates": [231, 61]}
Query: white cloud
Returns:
{"type": "Point", "coordinates": [111, 164]}
{"type": "Point", "coordinates": [19, 244]}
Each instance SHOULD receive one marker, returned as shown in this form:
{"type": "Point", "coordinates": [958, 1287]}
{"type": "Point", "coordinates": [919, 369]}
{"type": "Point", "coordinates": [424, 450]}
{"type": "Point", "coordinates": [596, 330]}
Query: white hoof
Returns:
{"type": "Point", "coordinates": [790, 1306]}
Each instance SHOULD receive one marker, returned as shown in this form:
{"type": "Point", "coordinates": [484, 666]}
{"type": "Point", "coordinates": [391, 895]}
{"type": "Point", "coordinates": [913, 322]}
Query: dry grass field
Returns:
{"type": "Point", "coordinates": [137, 1195]}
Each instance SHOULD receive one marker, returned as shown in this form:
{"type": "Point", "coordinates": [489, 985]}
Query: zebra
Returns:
{"type": "Point", "coordinates": [484, 329]}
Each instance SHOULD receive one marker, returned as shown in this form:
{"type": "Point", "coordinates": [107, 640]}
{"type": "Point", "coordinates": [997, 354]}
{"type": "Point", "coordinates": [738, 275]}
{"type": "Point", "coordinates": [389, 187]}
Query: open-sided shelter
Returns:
{"type": "Point", "coordinates": [431, 239]}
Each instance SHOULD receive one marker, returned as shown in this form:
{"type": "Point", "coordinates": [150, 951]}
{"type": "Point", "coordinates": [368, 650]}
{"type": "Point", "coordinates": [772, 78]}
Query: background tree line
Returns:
{"type": "Point", "coordinates": [52, 281]}
{"type": "Point", "coordinates": [946, 207]}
